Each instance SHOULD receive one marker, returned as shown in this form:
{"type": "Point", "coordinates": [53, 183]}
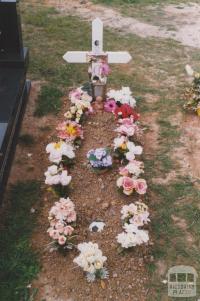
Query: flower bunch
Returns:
{"type": "Point", "coordinates": [91, 260]}
{"type": "Point", "coordinates": [62, 217]}
{"type": "Point", "coordinates": [126, 111]}
{"type": "Point", "coordinates": [100, 158]}
{"type": "Point", "coordinates": [192, 95]}
{"type": "Point", "coordinates": [70, 131]}
{"type": "Point", "coordinates": [125, 149]}
{"type": "Point", "coordinates": [127, 128]}
{"type": "Point", "coordinates": [136, 214]}
{"type": "Point", "coordinates": [134, 168]}
{"type": "Point", "coordinates": [81, 104]}
{"type": "Point", "coordinates": [57, 175]}
{"type": "Point", "coordinates": [60, 152]}
{"type": "Point", "coordinates": [123, 96]}
{"type": "Point", "coordinates": [110, 106]}
{"type": "Point", "coordinates": [132, 236]}
{"type": "Point", "coordinates": [131, 184]}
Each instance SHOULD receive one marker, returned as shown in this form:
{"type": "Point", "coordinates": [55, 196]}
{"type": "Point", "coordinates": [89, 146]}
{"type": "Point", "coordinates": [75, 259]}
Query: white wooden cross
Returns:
{"type": "Point", "coordinates": [98, 59]}
{"type": "Point", "coordinates": [119, 57]}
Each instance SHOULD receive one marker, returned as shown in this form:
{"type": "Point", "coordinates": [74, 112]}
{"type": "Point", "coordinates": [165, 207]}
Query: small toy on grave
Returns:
{"type": "Point", "coordinates": [96, 226]}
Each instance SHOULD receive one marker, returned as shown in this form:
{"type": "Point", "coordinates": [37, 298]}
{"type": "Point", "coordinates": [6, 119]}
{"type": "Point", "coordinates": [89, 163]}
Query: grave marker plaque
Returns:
{"type": "Point", "coordinates": [14, 87]}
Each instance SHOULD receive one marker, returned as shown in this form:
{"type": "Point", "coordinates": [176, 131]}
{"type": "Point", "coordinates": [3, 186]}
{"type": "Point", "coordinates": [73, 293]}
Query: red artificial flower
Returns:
{"type": "Point", "coordinates": [125, 111]}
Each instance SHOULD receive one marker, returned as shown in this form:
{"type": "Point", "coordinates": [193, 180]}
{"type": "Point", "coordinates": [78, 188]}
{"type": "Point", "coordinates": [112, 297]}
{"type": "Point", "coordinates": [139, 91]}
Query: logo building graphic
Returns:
{"type": "Point", "coordinates": [182, 281]}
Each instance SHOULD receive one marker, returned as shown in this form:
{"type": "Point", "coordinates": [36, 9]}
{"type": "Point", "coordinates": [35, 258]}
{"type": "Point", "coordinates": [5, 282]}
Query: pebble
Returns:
{"type": "Point", "coordinates": [105, 205]}
{"type": "Point", "coordinates": [98, 200]}
{"type": "Point", "coordinates": [102, 186]}
{"type": "Point", "coordinates": [115, 275]}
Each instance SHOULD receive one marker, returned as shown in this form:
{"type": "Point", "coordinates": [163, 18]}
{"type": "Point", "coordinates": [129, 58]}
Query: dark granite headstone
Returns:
{"type": "Point", "coordinates": [14, 87]}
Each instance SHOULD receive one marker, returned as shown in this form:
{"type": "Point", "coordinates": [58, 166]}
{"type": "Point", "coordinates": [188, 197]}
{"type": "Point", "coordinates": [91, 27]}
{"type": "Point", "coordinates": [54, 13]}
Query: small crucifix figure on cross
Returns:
{"type": "Point", "coordinates": [98, 60]}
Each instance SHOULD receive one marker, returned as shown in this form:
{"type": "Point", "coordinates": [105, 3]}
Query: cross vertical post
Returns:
{"type": "Point", "coordinates": [98, 60]}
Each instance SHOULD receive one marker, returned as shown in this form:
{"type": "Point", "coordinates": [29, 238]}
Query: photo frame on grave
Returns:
{"type": "Point", "coordinates": [98, 87]}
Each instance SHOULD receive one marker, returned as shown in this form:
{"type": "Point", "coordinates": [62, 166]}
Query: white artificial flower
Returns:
{"type": "Point", "coordinates": [128, 209]}
{"type": "Point", "coordinates": [133, 150]}
{"type": "Point", "coordinates": [126, 240]}
{"type": "Point", "coordinates": [59, 149]}
{"type": "Point", "coordinates": [120, 181]}
{"type": "Point", "coordinates": [132, 237]}
{"type": "Point", "coordinates": [90, 258]}
{"type": "Point", "coordinates": [135, 167]}
{"type": "Point", "coordinates": [124, 96]}
{"type": "Point", "coordinates": [64, 178]}
{"type": "Point", "coordinates": [55, 176]}
{"type": "Point", "coordinates": [52, 177]}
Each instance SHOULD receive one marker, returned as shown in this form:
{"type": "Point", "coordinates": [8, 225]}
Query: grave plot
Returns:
{"type": "Point", "coordinates": [97, 189]}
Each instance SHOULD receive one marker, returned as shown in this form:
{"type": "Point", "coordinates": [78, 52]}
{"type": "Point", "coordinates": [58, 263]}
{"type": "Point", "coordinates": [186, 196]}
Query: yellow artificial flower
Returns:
{"type": "Point", "coordinates": [123, 146]}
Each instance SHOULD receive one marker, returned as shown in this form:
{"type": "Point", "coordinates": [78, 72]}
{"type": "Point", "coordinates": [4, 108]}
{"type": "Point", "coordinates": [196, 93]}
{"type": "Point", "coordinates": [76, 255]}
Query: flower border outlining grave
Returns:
{"type": "Point", "coordinates": [62, 156]}
{"type": "Point", "coordinates": [62, 215]}
{"type": "Point", "coordinates": [125, 151]}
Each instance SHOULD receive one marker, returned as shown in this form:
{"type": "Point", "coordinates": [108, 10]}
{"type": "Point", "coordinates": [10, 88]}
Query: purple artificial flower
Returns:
{"type": "Point", "coordinates": [110, 105]}
{"type": "Point", "coordinates": [105, 69]}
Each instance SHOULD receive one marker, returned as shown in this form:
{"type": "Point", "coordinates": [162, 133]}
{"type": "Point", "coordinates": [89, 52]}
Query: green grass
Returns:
{"type": "Point", "coordinates": [26, 140]}
{"type": "Point", "coordinates": [49, 101]}
{"type": "Point", "coordinates": [18, 262]}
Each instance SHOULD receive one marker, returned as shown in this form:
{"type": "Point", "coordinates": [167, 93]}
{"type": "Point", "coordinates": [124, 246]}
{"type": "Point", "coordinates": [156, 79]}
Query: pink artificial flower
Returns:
{"type": "Point", "coordinates": [126, 129]}
{"type": "Point", "coordinates": [60, 227]}
{"type": "Point", "coordinates": [53, 233]}
{"type": "Point", "coordinates": [127, 121]}
{"type": "Point", "coordinates": [69, 130]}
{"type": "Point", "coordinates": [104, 69]}
{"type": "Point", "coordinates": [140, 186]}
{"type": "Point", "coordinates": [110, 106]}
{"type": "Point", "coordinates": [75, 94]}
{"type": "Point", "coordinates": [127, 183]}
{"type": "Point", "coordinates": [71, 217]}
{"type": "Point", "coordinates": [137, 220]}
{"type": "Point", "coordinates": [123, 171]}
{"type": "Point", "coordinates": [68, 230]}
{"type": "Point", "coordinates": [62, 240]}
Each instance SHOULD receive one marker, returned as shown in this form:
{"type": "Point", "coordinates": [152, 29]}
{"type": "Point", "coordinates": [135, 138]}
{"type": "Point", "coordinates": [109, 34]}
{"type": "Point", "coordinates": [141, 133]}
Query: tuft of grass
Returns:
{"type": "Point", "coordinates": [49, 101]}
{"type": "Point", "coordinates": [18, 262]}
{"type": "Point", "coordinates": [26, 140]}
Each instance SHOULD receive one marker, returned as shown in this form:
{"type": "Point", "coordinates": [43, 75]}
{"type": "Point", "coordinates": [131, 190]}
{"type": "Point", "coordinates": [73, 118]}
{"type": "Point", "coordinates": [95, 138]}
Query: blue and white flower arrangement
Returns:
{"type": "Point", "coordinates": [100, 158]}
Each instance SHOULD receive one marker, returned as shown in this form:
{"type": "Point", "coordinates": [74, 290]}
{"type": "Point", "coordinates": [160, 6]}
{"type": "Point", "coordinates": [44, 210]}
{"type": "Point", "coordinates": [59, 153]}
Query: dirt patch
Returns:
{"type": "Point", "coordinates": [188, 154]}
{"type": "Point", "coordinates": [151, 132]}
{"type": "Point", "coordinates": [182, 224]}
{"type": "Point", "coordinates": [184, 19]}
{"type": "Point", "coordinates": [96, 197]}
